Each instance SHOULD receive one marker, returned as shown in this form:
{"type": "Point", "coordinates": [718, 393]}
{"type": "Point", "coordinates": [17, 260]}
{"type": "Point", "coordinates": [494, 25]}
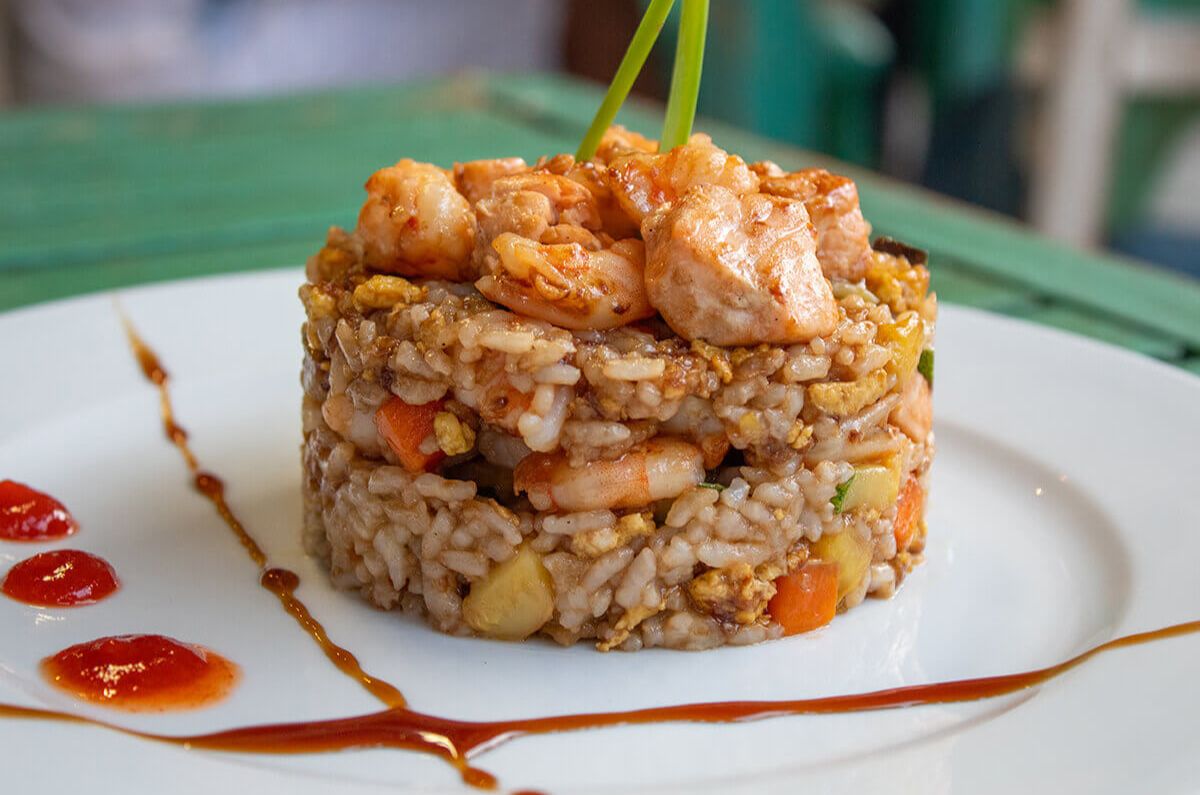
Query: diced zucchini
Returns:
{"type": "Point", "coordinates": [925, 365]}
{"type": "Point", "coordinates": [872, 486]}
{"type": "Point", "coordinates": [851, 554]}
{"type": "Point", "coordinates": [513, 600]}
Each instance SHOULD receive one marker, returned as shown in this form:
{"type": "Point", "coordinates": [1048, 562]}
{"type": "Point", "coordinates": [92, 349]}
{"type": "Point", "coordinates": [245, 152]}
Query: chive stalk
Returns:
{"type": "Point", "coordinates": [685, 75]}
{"type": "Point", "coordinates": [631, 65]}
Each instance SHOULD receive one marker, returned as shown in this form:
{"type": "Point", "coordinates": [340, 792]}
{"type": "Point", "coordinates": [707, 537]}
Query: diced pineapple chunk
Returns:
{"type": "Point", "coordinates": [513, 600]}
{"type": "Point", "coordinates": [873, 486]}
{"type": "Point", "coordinates": [899, 283]}
{"type": "Point", "coordinates": [906, 338]}
{"type": "Point", "coordinates": [851, 554]}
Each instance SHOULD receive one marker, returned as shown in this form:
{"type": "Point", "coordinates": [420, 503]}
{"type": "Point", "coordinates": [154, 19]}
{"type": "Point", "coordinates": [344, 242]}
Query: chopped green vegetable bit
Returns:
{"type": "Point", "coordinates": [713, 486]}
{"type": "Point", "coordinates": [925, 365]}
{"type": "Point", "coordinates": [837, 499]}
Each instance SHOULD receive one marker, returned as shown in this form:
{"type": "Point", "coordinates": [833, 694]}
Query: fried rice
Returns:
{"type": "Point", "coordinates": [501, 475]}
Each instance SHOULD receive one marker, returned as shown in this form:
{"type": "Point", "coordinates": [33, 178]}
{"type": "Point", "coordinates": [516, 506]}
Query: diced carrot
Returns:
{"type": "Point", "coordinates": [805, 599]}
{"type": "Point", "coordinates": [908, 513]}
{"type": "Point", "coordinates": [404, 426]}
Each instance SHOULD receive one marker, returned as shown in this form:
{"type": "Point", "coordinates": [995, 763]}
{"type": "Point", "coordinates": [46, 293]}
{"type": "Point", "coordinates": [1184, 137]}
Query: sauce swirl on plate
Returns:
{"type": "Point", "coordinates": [281, 582]}
{"type": "Point", "coordinates": [88, 668]}
{"type": "Point", "coordinates": [455, 741]}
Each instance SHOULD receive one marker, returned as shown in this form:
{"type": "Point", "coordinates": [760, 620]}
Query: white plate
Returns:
{"type": "Point", "coordinates": [1064, 512]}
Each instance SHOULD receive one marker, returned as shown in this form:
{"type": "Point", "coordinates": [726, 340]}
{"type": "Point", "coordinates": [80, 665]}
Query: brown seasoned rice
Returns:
{"type": "Point", "coordinates": [780, 427]}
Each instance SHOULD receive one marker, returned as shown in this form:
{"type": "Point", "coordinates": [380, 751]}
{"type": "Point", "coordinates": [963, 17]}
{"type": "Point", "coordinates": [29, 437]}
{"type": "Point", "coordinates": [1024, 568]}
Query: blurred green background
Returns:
{"type": "Point", "coordinates": [956, 95]}
{"type": "Point", "coordinates": [1078, 116]}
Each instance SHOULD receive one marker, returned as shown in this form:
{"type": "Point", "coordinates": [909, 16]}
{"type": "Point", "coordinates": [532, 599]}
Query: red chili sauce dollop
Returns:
{"type": "Point", "coordinates": [142, 673]}
{"type": "Point", "coordinates": [27, 514]}
{"type": "Point", "coordinates": [61, 578]}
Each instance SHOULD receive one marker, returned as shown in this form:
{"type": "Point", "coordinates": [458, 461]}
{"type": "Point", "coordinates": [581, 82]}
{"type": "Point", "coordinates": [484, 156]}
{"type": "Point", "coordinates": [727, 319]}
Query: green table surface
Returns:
{"type": "Point", "coordinates": [97, 198]}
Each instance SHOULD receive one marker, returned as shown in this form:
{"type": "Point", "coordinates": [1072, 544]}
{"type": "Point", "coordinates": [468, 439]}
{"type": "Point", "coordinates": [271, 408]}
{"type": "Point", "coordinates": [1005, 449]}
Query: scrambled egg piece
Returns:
{"type": "Point", "coordinates": [799, 434]}
{"type": "Point", "coordinates": [595, 543]}
{"type": "Point", "coordinates": [319, 302]}
{"type": "Point", "coordinates": [773, 569]}
{"type": "Point", "coordinates": [334, 260]}
{"type": "Point", "coordinates": [841, 399]}
{"type": "Point", "coordinates": [898, 283]}
{"type": "Point", "coordinates": [717, 357]}
{"type": "Point", "coordinates": [381, 292]}
{"type": "Point", "coordinates": [733, 593]}
{"type": "Point", "coordinates": [750, 424]}
{"type": "Point", "coordinates": [625, 624]}
{"type": "Point", "coordinates": [454, 437]}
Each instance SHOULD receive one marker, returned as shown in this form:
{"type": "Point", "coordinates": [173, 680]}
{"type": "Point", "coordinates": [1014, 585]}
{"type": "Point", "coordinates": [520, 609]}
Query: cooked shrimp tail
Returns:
{"type": "Point", "coordinates": [661, 468]}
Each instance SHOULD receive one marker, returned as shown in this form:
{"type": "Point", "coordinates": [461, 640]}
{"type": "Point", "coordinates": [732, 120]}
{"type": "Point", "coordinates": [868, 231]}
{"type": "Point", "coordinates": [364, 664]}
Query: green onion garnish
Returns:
{"type": "Point", "coordinates": [685, 75]}
{"type": "Point", "coordinates": [713, 486]}
{"type": "Point", "coordinates": [631, 65]}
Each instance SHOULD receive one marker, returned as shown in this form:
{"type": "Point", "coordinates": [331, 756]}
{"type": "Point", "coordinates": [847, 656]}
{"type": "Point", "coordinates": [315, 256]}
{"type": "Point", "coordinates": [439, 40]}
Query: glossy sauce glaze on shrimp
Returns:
{"type": "Point", "coordinates": [416, 223]}
{"type": "Point", "coordinates": [737, 270]}
{"type": "Point", "coordinates": [543, 255]}
{"type": "Point", "coordinates": [832, 203]}
{"type": "Point", "coordinates": [571, 284]}
{"type": "Point", "coordinates": [647, 399]}
{"type": "Point", "coordinates": [643, 182]}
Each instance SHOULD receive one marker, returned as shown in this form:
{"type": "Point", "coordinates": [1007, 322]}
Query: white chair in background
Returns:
{"type": "Point", "coordinates": [1090, 57]}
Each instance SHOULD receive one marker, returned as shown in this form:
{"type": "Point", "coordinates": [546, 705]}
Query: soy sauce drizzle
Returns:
{"type": "Point", "coordinates": [281, 582]}
{"type": "Point", "coordinates": [455, 741]}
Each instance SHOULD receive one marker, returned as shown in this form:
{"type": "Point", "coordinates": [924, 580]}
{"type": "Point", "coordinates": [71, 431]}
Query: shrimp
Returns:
{"type": "Point", "coordinates": [492, 394]}
{"type": "Point", "coordinates": [592, 175]}
{"type": "Point", "coordinates": [617, 140]}
{"type": "Point", "coordinates": [535, 412]}
{"type": "Point", "coordinates": [535, 206]}
{"type": "Point", "coordinates": [737, 270]}
{"type": "Point", "coordinates": [351, 423]}
{"type": "Point", "coordinates": [568, 284]}
{"type": "Point", "coordinates": [766, 169]}
{"type": "Point", "coordinates": [644, 182]}
{"type": "Point", "coordinates": [843, 235]}
{"type": "Point", "coordinates": [613, 217]}
{"type": "Point", "coordinates": [415, 223]}
{"type": "Point", "coordinates": [533, 202]}
{"type": "Point", "coordinates": [475, 178]}
{"type": "Point", "coordinates": [657, 469]}
{"type": "Point", "coordinates": [914, 414]}
{"type": "Point", "coordinates": [695, 420]}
